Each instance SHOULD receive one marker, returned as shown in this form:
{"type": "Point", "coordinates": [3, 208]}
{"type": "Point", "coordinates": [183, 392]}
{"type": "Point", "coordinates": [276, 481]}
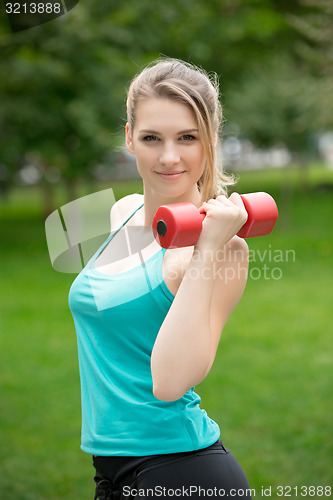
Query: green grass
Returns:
{"type": "Point", "coordinates": [270, 388]}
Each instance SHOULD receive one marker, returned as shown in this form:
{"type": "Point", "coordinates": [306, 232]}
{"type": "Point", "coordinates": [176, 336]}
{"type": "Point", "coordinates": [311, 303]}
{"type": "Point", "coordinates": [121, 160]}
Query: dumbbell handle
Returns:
{"type": "Point", "coordinates": [180, 224]}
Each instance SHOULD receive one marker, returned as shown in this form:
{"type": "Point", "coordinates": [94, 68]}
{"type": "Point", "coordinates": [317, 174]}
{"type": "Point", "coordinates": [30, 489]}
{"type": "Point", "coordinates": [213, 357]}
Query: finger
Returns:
{"type": "Point", "coordinates": [237, 200]}
{"type": "Point", "coordinates": [217, 203]}
{"type": "Point", "coordinates": [224, 200]}
{"type": "Point", "coordinates": [208, 206]}
{"type": "Point", "coordinates": [221, 198]}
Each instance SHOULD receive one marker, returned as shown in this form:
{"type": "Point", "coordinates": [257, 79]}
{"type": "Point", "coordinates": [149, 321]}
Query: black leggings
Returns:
{"type": "Point", "coordinates": [210, 472]}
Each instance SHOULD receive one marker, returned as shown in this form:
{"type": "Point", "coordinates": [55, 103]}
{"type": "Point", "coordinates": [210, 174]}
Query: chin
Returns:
{"type": "Point", "coordinates": [173, 194]}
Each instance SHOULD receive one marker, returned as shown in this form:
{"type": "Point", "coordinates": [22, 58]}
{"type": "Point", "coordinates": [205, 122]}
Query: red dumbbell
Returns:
{"type": "Point", "coordinates": [180, 224]}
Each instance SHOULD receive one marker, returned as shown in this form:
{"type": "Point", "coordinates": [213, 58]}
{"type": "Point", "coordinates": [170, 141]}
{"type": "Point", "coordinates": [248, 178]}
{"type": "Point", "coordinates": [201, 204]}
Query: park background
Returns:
{"type": "Point", "coordinates": [62, 114]}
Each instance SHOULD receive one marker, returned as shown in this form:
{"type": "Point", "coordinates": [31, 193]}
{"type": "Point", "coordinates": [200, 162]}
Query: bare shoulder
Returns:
{"type": "Point", "coordinates": [128, 202]}
{"type": "Point", "coordinates": [232, 270]}
{"type": "Point", "coordinates": [231, 267]}
{"type": "Point", "coordinates": [175, 264]}
{"type": "Point", "coordinates": [123, 208]}
{"type": "Point", "coordinates": [237, 249]}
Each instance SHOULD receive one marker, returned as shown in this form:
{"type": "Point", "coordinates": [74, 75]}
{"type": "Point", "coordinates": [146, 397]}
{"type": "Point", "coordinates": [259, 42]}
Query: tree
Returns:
{"type": "Point", "coordinates": [315, 48]}
{"type": "Point", "coordinates": [63, 95]}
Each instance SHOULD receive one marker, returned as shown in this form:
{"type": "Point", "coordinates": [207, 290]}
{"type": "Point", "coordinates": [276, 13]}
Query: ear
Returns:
{"type": "Point", "coordinates": [128, 140]}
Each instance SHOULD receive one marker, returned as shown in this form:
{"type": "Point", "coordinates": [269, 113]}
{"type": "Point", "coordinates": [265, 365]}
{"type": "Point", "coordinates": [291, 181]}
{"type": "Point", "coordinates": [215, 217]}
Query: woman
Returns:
{"type": "Point", "coordinates": [149, 322]}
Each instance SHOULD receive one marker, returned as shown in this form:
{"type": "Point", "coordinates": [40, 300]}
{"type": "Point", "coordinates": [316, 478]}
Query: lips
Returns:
{"type": "Point", "coordinates": [171, 176]}
{"type": "Point", "coordinates": [171, 173]}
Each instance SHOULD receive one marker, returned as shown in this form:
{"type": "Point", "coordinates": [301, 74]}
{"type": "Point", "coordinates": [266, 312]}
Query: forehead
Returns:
{"type": "Point", "coordinates": [164, 114]}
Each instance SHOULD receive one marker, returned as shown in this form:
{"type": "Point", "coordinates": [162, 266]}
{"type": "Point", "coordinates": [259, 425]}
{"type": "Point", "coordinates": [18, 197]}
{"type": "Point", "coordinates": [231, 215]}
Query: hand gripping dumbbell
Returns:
{"type": "Point", "coordinates": [180, 224]}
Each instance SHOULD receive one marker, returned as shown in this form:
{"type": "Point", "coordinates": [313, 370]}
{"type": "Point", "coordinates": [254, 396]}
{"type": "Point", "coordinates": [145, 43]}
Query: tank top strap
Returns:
{"type": "Point", "coordinates": [112, 235]}
{"type": "Point", "coordinates": [125, 222]}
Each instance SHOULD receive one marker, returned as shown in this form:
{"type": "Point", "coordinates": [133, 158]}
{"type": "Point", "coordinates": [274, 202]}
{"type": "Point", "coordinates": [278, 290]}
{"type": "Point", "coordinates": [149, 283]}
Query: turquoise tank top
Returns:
{"type": "Point", "coordinates": [117, 318]}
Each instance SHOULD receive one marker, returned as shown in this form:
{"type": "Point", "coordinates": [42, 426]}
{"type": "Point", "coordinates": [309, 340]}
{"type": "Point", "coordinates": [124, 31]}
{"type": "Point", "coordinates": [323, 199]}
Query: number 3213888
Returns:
{"type": "Point", "coordinates": [304, 491]}
{"type": "Point", "coordinates": [33, 8]}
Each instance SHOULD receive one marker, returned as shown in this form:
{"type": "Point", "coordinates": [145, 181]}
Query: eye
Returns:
{"type": "Point", "coordinates": [149, 138]}
{"type": "Point", "coordinates": [187, 137]}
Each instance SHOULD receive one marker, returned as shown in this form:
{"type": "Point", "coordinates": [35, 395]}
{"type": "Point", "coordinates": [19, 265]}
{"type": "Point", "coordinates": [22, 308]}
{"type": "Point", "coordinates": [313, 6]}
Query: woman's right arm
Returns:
{"type": "Point", "coordinates": [186, 344]}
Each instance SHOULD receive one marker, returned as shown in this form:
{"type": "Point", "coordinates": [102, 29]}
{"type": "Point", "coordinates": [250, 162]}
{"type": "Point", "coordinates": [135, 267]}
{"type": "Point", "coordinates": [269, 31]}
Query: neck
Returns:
{"type": "Point", "coordinates": [152, 201]}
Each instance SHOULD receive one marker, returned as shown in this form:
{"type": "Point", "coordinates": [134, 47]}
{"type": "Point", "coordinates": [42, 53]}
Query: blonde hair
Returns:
{"type": "Point", "coordinates": [174, 79]}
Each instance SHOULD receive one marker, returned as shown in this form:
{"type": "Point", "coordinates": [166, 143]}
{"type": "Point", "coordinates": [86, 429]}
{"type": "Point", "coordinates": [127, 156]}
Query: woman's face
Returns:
{"type": "Point", "coordinates": [169, 152]}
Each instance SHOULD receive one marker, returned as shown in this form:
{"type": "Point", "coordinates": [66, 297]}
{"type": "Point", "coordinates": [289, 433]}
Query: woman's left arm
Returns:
{"type": "Point", "coordinates": [186, 345]}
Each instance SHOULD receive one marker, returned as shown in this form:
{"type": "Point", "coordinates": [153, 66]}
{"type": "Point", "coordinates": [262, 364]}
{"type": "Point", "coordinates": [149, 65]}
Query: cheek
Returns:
{"type": "Point", "coordinates": [145, 159]}
{"type": "Point", "coordinates": [198, 157]}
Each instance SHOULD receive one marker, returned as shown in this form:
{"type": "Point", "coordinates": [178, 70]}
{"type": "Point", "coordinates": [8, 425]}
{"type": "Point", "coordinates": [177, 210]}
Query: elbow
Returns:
{"type": "Point", "coordinates": [171, 389]}
{"type": "Point", "coordinates": [172, 384]}
{"type": "Point", "coordinates": [167, 392]}
{"type": "Point", "coordinates": [167, 385]}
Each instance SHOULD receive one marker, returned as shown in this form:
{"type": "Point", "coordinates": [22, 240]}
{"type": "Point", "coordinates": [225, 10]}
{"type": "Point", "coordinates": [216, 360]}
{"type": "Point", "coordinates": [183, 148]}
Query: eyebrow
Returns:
{"type": "Point", "coordinates": [178, 133]}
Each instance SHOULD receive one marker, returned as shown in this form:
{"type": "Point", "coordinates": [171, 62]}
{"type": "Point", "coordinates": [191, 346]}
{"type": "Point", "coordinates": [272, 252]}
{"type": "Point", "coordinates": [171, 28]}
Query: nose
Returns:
{"type": "Point", "coordinates": [169, 155]}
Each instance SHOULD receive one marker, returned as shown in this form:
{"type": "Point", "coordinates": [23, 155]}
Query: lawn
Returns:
{"type": "Point", "coordinates": [270, 389]}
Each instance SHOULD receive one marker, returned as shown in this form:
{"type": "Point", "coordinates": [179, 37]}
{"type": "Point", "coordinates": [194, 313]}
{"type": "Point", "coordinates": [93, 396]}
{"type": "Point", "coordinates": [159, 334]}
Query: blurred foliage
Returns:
{"type": "Point", "coordinates": [64, 83]}
{"type": "Point", "coordinates": [315, 48]}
